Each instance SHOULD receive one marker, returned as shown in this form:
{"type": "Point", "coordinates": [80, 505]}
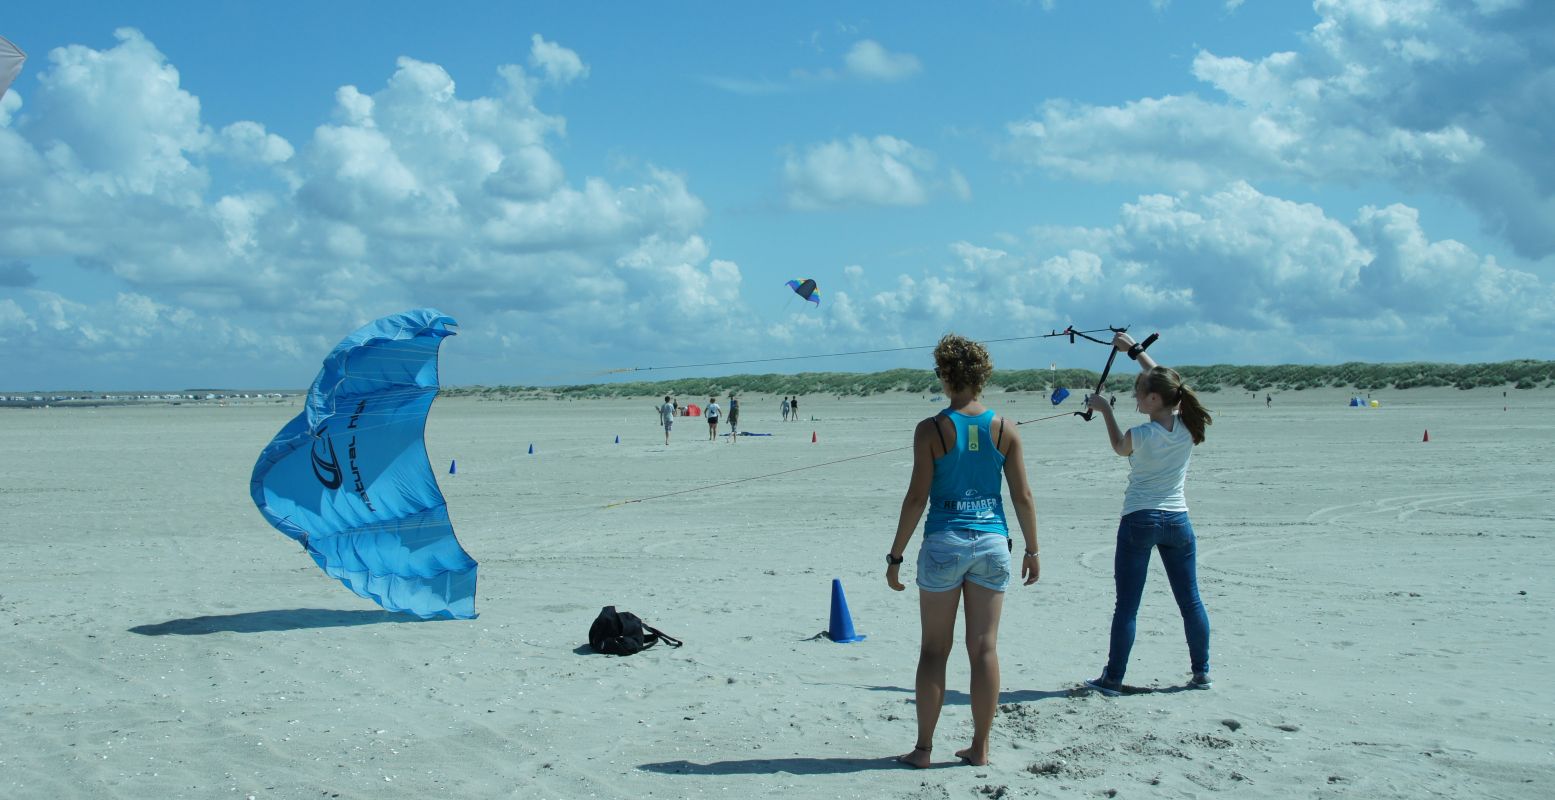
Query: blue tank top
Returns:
{"type": "Point", "coordinates": [967, 492]}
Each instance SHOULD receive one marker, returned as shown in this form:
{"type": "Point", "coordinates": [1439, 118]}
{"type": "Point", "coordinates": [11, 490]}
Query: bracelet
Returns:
{"type": "Point", "coordinates": [1030, 553]}
{"type": "Point", "coordinates": [1133, 352]}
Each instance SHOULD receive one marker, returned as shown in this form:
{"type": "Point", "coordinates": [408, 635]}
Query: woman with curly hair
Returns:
{"type": "Point", "coordinates": [1155, 512]}
{"type": "Point", "coordinates": [960, 457]}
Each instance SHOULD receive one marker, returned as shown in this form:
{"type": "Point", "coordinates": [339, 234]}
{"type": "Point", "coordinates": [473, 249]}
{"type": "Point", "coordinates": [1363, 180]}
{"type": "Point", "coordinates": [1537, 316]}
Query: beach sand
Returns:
{"type": "Point", "coordinates": [1380, 606]}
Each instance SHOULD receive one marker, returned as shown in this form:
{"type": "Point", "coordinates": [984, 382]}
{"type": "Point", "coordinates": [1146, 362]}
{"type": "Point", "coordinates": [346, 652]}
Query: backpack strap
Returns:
{"type": "Point", "coordinates": [654, 635]}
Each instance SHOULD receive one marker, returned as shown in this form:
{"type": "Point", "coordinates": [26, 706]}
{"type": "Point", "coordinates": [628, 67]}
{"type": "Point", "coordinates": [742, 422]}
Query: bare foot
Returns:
{"type": "Point", "coordinates": [974, 755]}
{"type": "Point", "coordinates": [918, 758]}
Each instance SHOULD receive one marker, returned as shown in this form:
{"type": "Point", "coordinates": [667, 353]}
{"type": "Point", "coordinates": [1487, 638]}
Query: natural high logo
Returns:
{"type": "Point", "coordinates": [326, 466]}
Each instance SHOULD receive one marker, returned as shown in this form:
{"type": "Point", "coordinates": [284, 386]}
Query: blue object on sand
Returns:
{"type": "Point", "coordinates": [1059, 395]}
{"type": "Point", "coordinates": [349, 479]}
{"type": "Point", "coordinates": [840, 629]}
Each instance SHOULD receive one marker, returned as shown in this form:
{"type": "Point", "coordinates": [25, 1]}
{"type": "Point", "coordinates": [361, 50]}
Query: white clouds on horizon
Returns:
{"type": "Point", "coordinates": [411, 196]}
{"type": "Point", "coordinates": [1431, 97]}
{"type": "Point", "coordinates": [1234, 272]}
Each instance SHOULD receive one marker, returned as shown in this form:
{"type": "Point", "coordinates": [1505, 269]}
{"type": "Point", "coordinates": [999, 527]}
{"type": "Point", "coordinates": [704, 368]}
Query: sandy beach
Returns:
{"type": "Point", "coordinates": [1380, 609]}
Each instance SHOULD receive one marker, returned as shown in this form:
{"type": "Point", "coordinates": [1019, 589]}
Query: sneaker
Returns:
{"type": "Point", "coordinates": [1200, 680]}
{"type": "Point", "coordinates": [1105, 685]}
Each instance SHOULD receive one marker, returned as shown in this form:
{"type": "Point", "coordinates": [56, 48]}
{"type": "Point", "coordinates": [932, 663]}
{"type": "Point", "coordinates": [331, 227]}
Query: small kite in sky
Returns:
{"type": "Point", "coordinates": [806, 289]}
{"type": "Point", "coordinates": [349, 480]}
{"type": "Point", "coordinates": [11, 58]}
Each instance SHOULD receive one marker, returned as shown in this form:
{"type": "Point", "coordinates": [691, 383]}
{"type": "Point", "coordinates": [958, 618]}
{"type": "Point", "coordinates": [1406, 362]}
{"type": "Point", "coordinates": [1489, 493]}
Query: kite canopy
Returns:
{"type": "Point", "coordinates": [349, 480]}
{"type": "Point", "coordinates": [11, 58]}
{"type": "Point", "coordinates": [1059, 395]}
{"type": "Point", "coordinates": [806, 289]}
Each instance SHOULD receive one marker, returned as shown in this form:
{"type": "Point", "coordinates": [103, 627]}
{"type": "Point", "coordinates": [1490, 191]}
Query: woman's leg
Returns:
{"type": "Point", "coordinates": [937, 611]}
{"type": "Point", "coordinates": [1130, 563]}
{"type": "Point", "coordinates": [983, 607]}
{"type": "Point", "coordinates": [1179, 554]}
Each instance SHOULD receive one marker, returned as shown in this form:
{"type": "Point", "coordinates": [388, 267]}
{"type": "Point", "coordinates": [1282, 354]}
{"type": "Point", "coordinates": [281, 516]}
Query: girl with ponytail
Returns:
{"type": "Point", "coordinates": [1155, 512]}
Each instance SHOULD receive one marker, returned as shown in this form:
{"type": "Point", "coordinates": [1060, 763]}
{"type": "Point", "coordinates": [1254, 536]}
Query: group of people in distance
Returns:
{"type": "Point", "coordinates": [713, 413]}
{"type": "Point", "coordinates": [959, 457]}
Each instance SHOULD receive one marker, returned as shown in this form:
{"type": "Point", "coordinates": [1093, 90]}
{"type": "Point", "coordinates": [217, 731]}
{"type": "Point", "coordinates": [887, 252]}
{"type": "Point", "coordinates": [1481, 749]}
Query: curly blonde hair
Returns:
{"type": "Point", "coordinates": [962, 363]}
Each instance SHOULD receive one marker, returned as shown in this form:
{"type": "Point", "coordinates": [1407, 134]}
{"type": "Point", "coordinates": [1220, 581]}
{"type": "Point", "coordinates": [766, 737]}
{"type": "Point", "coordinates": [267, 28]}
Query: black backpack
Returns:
{"type": "Point", "coordinates": [622, 633]}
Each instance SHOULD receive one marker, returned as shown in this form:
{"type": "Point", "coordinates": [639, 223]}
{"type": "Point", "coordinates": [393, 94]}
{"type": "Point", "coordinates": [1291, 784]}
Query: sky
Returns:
{"type": "Point", "coordinates": [214, 193]}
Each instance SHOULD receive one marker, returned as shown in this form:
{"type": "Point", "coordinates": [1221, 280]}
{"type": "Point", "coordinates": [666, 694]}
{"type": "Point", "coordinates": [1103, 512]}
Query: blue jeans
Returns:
{"type": "Point", "coordinates": [1171, 533]}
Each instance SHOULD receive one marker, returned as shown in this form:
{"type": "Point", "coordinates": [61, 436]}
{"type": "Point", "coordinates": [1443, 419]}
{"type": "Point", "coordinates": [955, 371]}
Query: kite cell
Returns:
{"type": "Point", "coordinates": [349, 479]}
{"type": "Point", "coordinates": [11, 58]}
{"type": "Point", "coordinates": [806, 289]}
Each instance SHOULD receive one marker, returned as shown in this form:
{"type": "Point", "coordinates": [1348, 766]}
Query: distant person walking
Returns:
{"type": "Point", "coordinates": [1155, 512]}
{"type": "Point", "coordinates": [785, 408]}
{"type": "Point", "coordinates": [734, 419]}
{"type": "Point", "coordinates": [1268, 400]}
{"type": "Point", "coordinates": [713, 412]}
{"type": "Point", "coordinates": [794, 404]}
{"type": "Point", "coordinates": [667, 417]}
{"type": "Point", "coordinates": [961, 458]}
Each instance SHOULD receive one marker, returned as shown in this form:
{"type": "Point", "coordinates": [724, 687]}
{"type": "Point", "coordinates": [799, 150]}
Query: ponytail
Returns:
{"type": "Point", "coordinates": [1165, 382]}
{"type": "Point", "coordinates": [1193, 414]}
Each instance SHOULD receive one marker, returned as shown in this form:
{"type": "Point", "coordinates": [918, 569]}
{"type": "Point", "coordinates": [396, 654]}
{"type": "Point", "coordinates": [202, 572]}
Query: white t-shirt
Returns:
{"type": "Point", "coordinates": [666, 413]}
{"type": "Point", "coordinates": [1158, 467]}
{"type": "Point", "coordinates": [712, 411]}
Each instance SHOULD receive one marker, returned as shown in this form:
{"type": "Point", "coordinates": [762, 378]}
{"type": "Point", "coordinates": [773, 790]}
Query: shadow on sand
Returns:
{"type": "Point", "coordinates": [773, 766]}
{"type": "Point", "coordinates": [955, 698]}
{"type": "Point", "coordinates": [290, 619]}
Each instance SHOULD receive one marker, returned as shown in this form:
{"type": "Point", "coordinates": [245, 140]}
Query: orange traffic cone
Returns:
{"type": "Point", "coordinates": [1427, 436]}
{"type": "Point", "coordinates": [812, 437]}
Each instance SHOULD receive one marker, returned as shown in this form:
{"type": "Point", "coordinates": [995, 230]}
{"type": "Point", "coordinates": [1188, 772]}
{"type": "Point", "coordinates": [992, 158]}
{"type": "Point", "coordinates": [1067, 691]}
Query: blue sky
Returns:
{"type": "Point", "coordinates": [214, 193]}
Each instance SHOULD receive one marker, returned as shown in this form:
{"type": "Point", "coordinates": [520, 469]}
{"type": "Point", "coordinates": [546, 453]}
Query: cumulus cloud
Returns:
{"type": "Point", "coordinates": [1426, 96]}
{"type": "Point", "coordinates": [869, 60]}
{"type": "Point", "coordinates": [557, 63]}
{"type": "Point", "coordinates": [409, 194]}
{"type": "Point", "coordinates": [859, 171]}
{"type": "Point", "coordinates": [1231, 274]}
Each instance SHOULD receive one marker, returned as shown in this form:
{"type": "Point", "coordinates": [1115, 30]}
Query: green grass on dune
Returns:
{"type": "Point", "coordinates": [1526, 374]}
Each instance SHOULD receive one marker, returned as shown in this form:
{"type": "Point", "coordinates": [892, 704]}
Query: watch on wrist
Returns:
{"type": "Point", "coordinates": [893, 560]}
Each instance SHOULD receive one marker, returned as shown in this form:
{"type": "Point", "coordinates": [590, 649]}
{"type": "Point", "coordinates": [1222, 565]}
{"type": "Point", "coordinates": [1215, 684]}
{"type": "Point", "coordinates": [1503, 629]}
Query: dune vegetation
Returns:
{"type": "Point", "coordinates": [1526, 374]}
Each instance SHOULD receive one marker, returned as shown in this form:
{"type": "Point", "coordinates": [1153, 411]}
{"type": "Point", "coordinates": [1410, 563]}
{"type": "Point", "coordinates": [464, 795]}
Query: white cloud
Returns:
{"type": "Point", "coordinates": [866, 61]}
{"type": "Point", "coordinates": [1425, 95]}
{"type": "Point", "coordinates": [557, 63]}
{"type": "Point", "coordinates": [248, 140]}
{"type": "Point", "coordinates": [409, 195]}
{"type": "Point", "coordinates": [1238, 275]}
{"type": "Point", "coordinates": [871, 61]}
{"type": "Point", "coordinates": [859, 171]}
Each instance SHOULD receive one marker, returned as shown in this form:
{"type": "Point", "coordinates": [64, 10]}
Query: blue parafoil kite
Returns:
{"type": "Point", "coordinates": [349, 480]}
{"type": "Point", "coordinates": [1059, 395]}
{"type": "Point", "coordinates": [806, 289]}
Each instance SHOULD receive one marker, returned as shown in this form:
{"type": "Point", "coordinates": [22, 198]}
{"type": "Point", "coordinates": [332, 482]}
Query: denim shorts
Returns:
{"type": "Point", "coordinates": [946, 558]}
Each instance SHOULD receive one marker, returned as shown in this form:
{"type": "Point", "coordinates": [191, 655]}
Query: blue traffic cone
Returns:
{"type": "Point", "coordinates": [531, 448]}
{"type": "Point", "coordinates": [841, 628]}
{"type": "Point", "coordinates": [453, 469]}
